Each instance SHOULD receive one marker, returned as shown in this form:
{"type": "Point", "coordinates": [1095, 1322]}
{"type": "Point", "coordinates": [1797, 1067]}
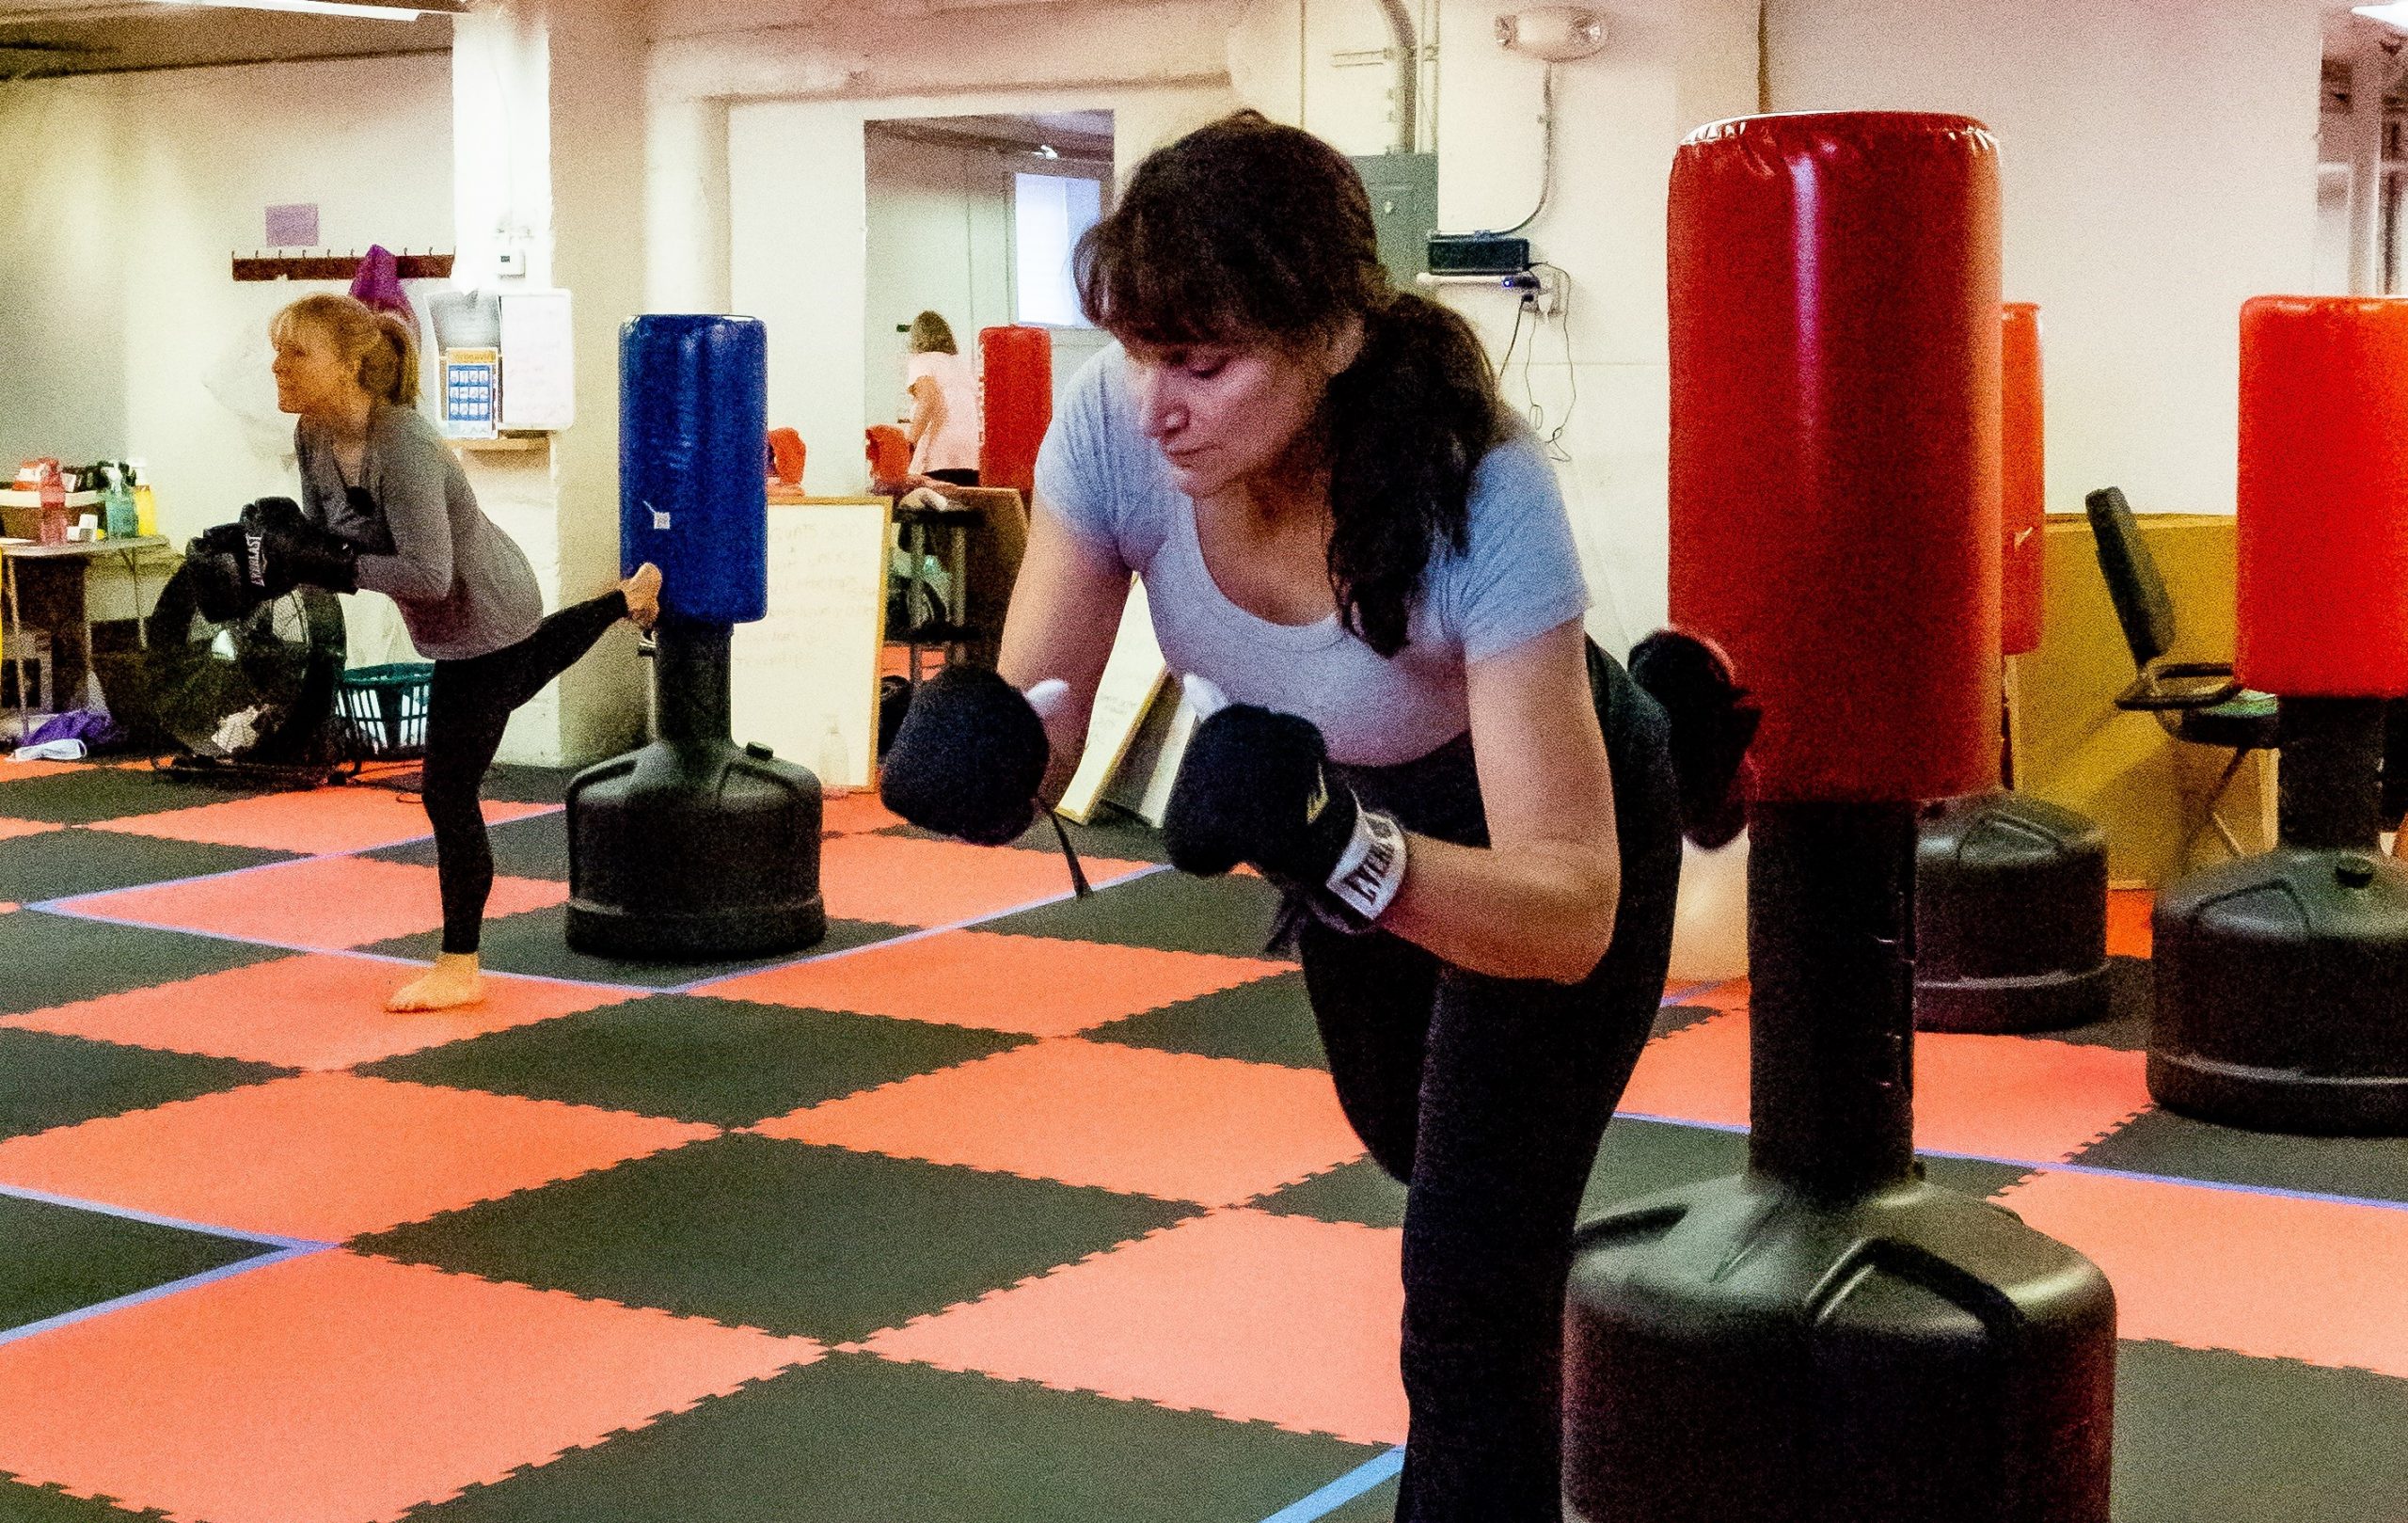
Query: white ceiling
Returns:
{"type": "Point", "coordinates": [52, 37]}
{"type": "Point", "coordinates": [63, 36]}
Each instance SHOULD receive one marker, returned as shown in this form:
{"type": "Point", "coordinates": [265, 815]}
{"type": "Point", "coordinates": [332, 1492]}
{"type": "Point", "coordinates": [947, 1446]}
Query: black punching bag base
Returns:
{"type": "Point", "coordinates": [2282, 994]}
{"type": "Point", "coordinates": [1738, 1350]}
{"type": "Point", "coordinates": [690, 852]}
{"type": "Point", "coordinates": [2010, 917]}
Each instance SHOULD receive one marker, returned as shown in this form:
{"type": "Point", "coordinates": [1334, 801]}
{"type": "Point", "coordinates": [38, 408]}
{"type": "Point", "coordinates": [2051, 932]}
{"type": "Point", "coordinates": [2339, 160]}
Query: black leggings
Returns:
{"type": "Point", "coordinates": [468, 708]}
{"type": "Point", "coordinates": [1488, 1097]}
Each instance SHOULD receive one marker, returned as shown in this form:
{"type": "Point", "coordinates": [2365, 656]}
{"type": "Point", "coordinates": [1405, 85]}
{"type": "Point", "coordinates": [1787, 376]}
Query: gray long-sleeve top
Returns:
{"type": "Point", "coordinates": [464, 587]}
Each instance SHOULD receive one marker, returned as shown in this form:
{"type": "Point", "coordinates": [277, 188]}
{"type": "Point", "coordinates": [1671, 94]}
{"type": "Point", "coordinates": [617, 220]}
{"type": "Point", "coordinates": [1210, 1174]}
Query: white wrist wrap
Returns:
{"type": "Point", "coordinates": [1371, 868]}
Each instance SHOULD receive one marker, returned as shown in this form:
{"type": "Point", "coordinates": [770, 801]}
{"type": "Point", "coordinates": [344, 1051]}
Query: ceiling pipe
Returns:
{"type": "Point", "coordinates": [1407, 50]}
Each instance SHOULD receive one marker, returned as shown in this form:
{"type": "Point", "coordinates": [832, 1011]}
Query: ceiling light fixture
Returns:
{"type": "Point", "coordinates": [321, 7]}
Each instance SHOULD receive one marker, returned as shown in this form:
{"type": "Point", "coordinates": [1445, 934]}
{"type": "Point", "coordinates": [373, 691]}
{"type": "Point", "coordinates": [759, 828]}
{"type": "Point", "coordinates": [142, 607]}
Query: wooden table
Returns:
{"type": "Point", "coordinates": [80, 554]}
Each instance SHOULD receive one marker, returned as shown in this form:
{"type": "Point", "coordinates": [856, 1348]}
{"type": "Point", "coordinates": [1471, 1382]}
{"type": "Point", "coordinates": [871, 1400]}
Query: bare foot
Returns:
{"type": "Point", "coordinates": [452, 982]}
{"type": "Point", "coordinates": [644, 596]}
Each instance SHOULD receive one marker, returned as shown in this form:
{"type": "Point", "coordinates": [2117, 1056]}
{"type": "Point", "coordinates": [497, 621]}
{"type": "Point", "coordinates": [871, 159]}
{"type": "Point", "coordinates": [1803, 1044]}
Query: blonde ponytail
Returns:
{"type": "Point", "coordinates": [383, 344]}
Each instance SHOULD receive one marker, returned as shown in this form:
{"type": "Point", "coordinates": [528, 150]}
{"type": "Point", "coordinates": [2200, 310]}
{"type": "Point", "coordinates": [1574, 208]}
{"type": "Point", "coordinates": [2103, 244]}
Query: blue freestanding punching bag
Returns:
{"type": "Point", "coordinates": [692, 847]}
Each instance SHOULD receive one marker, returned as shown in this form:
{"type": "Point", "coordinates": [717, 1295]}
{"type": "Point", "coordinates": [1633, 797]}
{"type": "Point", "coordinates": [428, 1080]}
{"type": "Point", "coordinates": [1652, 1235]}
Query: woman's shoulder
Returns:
{"type": "Point", "coordinates": [1515, 462]}
{"type": "Point", "coordinates": [391, 421]}
{"type": "Point", "coordinates": [1512, 483]}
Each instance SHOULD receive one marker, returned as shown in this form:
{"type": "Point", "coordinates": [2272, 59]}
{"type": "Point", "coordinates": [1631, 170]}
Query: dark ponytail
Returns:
{"type": "Point", "coordinates": [1408, 423]}
{"type": "Point", "coordinates": [1246, 231]}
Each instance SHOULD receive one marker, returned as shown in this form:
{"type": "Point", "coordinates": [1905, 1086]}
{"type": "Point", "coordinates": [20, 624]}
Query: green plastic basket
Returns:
{"type": "Point", "coordinates": [385, 708]}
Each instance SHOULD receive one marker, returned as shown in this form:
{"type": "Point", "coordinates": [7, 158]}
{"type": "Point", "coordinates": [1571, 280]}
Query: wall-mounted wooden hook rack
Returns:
{"type": "Point", "coordinates": [322, 266]}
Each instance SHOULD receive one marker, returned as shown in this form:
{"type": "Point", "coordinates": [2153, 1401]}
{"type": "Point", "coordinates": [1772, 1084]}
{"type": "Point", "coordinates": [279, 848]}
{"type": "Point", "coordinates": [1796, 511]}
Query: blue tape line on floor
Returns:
{"type": "Point", "coordinates": [1336, 1494]}
{"type": "Point", "coordinates": [153, 1218]}
{"type": "Point", "coordinates": [702, 985]}
{"type": "Point", "coordinates": [156, 1293]}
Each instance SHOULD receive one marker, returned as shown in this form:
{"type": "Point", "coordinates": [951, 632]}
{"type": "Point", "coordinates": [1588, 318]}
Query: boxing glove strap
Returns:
{"type": "Point", "coordinates": [1371, 868]}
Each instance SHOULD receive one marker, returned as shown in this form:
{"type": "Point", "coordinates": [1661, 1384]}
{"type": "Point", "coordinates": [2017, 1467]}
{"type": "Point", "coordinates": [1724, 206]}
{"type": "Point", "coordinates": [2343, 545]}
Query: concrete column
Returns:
{"type": "Point", "coordinates": [2370, 79]}
{"type": "Point", "coordinates": [548, 136]}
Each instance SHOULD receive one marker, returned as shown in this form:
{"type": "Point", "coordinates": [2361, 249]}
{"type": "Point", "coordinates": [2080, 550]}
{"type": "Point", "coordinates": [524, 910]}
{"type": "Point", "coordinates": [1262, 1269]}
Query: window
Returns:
{"type": "Point", "coordinates": [1048, 212]}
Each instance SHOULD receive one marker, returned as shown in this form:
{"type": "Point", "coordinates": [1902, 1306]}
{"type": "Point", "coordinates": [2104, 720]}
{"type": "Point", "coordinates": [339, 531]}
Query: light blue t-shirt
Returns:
{"type": "Point", "coordinates": [1518, 577]}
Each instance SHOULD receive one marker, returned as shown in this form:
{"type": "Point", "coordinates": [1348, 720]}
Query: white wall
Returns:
{"type": "Point", "coordinates": [62, 242]}
{"type": "Point", "coordinates": [796, 81]}
{"type": "Point", "coordinates": [797, 240]}
{"type": "Point", "coordinates": [938, 238]}
{"type": "Point", "coordinates": [122, 200]}
{"type": "Point", "coordinates": [115, 264]}
{"type": "Point", "coordinates": [1600, 373]}
{"type": "Point", "coordinates": [941, 236]}
{"type": "Point", "coordinates": [2157, 163]}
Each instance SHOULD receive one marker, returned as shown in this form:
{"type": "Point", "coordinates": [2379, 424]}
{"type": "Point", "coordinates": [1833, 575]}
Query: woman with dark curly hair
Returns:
{"type": "Point", "coordinates": [1364, 566]}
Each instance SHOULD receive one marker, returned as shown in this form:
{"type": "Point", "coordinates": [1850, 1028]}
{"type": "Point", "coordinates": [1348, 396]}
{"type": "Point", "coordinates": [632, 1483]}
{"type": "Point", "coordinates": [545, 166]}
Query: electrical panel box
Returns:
{"type": "Point", "coordinates": [1404, 208]}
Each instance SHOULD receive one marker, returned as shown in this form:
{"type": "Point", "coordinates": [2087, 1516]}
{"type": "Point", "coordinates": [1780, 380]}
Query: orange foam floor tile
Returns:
{"type": "Point", "coordinates": [25, 772]}
{"type": "Point", "coordinates": [337, 1389]}
{"type": "Point", "coordinates": [2014, 1098]}
{"type": "Point", "coordinates": [905, 881]}
{"type": "Point", "coordinates": [11, 828]}
{"type": "Point", "coordinates": [847, 814]}
{"type": "Point", "coordinates": [1696, 1074]}
{"type": "Point", "coordinates": [2276, 1276]}
{"type": "Point", "coordinates": [2022, 1098]}
{"type": "Point", "coordinates": [1173, 1125]}
{"type": "Point", "coordinates": [310, 822]}
{"type": "Point", "coordinates": [1037, 985]}
{"type": "Point", "coordinates": [329, 903]}
{"type": "Point", "coordinates": [327, 1156]}
{"type": "Point", "coordinates": [309, 1011]}
{"type": "Point", "coordinates": [1253, 1316]}
{"type": "Point", "coordinates": [2129, 925]}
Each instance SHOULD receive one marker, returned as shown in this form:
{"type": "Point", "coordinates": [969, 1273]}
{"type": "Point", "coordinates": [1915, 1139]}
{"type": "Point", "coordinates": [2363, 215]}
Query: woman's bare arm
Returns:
{"type": "Point", "coordinates": [1064, 612]}
{"type": "Point", "coordinates": [1540, 902]}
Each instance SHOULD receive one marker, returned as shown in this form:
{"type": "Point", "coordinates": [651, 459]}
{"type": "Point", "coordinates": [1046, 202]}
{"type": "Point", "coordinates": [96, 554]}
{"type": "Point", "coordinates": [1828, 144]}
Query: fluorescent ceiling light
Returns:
{"type": "Point", "coordinates": [314, 8]}
{"type": "Point", "coordinates": [2393, 15]}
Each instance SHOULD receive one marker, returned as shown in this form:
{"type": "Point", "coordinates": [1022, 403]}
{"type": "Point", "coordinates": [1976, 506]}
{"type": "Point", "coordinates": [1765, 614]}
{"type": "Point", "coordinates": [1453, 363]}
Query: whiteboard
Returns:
{"type": "Point", "coordinates": [805, 680]}
{"type": "Point", "coordinates": [1132, 674]}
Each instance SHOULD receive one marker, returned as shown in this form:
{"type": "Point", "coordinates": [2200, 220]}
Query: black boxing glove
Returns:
{"type": "Point", "coordinates": [1254, 786]}
{"type": "Point", "coordinates": [287, 551]}
{"type": "Point", "coordinates": [220, 589]}
{"type": "Point", "coordinates": [1713, 722]}
{"type": "Point", "coordinates": [970, 756]}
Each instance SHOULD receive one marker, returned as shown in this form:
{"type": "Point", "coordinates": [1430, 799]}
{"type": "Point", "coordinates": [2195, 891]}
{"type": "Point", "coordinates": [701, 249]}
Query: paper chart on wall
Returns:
{"type": "Point", "coordinates": [805, 680]}
{"type": "Point", "coordinates": [1132, 676]}
{"type": "Point", "coordinates": [538, 361]}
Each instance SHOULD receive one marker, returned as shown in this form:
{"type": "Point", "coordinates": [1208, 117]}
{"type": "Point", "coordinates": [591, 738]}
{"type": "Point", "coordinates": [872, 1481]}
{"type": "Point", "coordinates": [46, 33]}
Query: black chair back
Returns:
{"type": "Point", "coordinates": [2133, 580]}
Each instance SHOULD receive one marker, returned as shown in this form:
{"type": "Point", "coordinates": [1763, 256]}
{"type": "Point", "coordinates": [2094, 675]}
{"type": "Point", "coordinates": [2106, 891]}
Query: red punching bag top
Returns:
{"type": "Point", "coordinates": [1015, 391]}
{"type": "Point", "coordinates": [2022, 488]}
{"type": "Point", "coordinates": [2324, 497]}
{"type": "Point", "coordinates": [1835, 336]}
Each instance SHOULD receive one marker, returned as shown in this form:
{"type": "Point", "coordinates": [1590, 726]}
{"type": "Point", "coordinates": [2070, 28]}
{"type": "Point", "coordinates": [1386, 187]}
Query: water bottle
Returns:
{"type": "Point", "coordinates": [119, 519]}
{"type": "Point", "coordinates": [53, 508]}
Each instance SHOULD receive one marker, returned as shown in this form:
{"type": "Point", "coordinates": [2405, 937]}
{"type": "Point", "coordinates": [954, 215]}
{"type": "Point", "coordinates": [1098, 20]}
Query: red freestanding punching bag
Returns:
{"type": "Point", "coordinates": [2011, 890]}
{"type": "Point", "coordinates": [1828, 1337]}
{"type": "Point", "coordinates": [1016, 388]}
{"type": "Point", "coordinates": [1835, 443]}
{"type": "Point", "coordinates": [2023, 484]}
{"type": "Point", "coordinates": [2324, 497]}
{"type": "Point", "coordinates": [2282, 979]}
